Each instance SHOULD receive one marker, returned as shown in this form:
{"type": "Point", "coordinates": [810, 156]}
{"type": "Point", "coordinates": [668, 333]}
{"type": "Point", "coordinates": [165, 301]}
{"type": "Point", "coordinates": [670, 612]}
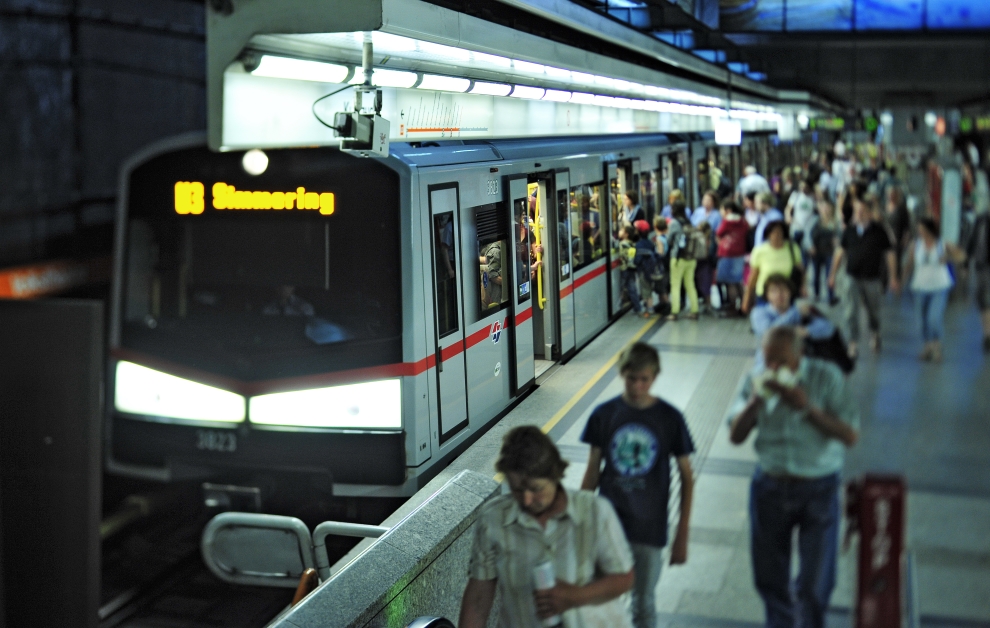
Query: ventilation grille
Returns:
{"type": "Point", "coordinates": [492, 223]}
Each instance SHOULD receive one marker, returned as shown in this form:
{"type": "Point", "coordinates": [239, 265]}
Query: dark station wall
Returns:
{"type": "Point", "coordinates": [84, 84]}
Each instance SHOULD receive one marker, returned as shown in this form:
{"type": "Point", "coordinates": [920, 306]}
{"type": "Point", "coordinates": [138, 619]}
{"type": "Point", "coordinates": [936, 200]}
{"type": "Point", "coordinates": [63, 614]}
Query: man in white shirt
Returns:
{"type": "Point", "coordinates": [752, 182]}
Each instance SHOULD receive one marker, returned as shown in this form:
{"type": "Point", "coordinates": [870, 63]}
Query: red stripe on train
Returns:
{"type": "Point", "coordinates": [598, 272]}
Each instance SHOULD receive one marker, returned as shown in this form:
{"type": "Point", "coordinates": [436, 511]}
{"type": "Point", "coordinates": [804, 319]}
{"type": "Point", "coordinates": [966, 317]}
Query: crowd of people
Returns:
{"type": "Point", "coordinates": [559, 557]}
{"type": "Point", "coordinates": [839, 232]}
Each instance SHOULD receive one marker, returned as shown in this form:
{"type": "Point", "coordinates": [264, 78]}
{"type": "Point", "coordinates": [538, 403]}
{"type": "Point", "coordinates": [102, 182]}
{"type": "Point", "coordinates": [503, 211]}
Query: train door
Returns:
{"type": "Point", "coordinates": [568, 235]}
{"type": "Point", "coordinates": [545, 303]}
{"type": "Point", "coordinates": [449, 327]}
{"type": "Point", "coordinates": [614, 207]}
{"type": "Point", "coordinates": [521, 205]}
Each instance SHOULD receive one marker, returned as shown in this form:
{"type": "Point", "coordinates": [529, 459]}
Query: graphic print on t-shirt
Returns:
{"type": "Point", "coordinates": [633, 450]}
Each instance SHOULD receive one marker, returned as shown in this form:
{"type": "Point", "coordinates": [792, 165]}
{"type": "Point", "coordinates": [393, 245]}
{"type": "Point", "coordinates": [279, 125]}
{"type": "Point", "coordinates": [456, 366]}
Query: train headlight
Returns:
{"type": "Point", "coordinates": [140, 390]}
{"type": "Point", "coordinates": [368, 405]}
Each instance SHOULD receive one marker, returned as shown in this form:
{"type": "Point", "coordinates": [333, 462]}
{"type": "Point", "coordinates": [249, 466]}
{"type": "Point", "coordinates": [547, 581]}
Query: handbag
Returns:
{"type": "Point", "coordinates": [832, 349]}
{"type": "Point", "coordinates": [797, 274]}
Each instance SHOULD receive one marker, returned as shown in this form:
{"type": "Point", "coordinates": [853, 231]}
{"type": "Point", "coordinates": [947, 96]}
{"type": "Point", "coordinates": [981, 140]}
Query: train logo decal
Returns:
{"type": "Point", "coordinates": [496, 332]}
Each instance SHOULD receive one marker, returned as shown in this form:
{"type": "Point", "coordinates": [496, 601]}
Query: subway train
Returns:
{"type": "Point", "coordinates": [362, 321]}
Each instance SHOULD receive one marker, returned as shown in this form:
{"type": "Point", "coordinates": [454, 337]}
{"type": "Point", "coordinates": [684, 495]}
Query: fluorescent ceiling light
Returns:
{"type": "Point", "coordinates": [491, 89]}
{"type": "Point", "coordinates": [368, 405]}
{"type": "Point", "coordinates": [524, 91]}
{"type": "Point", "coordinates": [605, 81]}
{"type": "Point", "coordinates": [558, 73]}
{"type": "Point", "coordinates": [386, 78]}
{"type": "Point", "coordinates": [484, 57]}
{"type": "Point", "coordinates": [557, 95]}
{"type": "Point", "coordinates": [300, 69]}
{"type": "Point", "coordinates": [582, 77]}
{"type": "Point", "coordinates": [728, 132]}
{"type": "Point", "coordinates": [526, 66]}
{"type": "Point", "coordinates": [604, 101]}
{"type": "Point", "coordinates": [628, 86]}
{"type": "Point", "coordinates": [444, 83]}
{"type": "Point", "coordinates": [144, 391]}
{"type": "Point", "coordinates": [580, 98]}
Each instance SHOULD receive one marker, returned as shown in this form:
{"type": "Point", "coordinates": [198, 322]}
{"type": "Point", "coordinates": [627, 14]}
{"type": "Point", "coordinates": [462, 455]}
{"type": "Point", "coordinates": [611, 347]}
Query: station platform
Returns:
{"type": "Point", "coordinates": [925, 421]}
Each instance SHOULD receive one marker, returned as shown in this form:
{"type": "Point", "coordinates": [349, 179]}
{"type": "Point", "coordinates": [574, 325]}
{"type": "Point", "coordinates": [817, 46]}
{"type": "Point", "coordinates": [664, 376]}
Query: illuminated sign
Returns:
{"type": "Point", "coordinates": [190, 199]}
{"type": "Point", "coordinates": [827, 124]}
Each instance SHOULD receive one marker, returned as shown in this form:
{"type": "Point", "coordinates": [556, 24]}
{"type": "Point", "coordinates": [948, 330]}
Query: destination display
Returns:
{"type": "Point", "coordinates": [190, 199]}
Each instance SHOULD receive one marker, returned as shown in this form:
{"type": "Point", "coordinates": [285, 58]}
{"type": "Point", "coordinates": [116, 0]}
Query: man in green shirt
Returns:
{"type": "Point", "coordinates": [804, 419]}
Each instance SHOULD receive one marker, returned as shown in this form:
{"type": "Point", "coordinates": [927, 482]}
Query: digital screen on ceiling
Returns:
{"type": "Point", "coordinates": [825, 15]}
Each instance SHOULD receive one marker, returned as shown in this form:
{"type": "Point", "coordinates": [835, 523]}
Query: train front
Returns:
{"type": "Point", "coordinates": [257, 319]}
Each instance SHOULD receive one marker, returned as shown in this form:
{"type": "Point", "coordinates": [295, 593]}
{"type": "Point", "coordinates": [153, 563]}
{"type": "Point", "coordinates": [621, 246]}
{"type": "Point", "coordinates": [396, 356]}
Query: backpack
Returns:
{"type": "Point", "coordinates": [832, 349]}
{"type": "Point", "coordinates": [627, 254]}
{"type": "Point", "coordinates": [692, 244]}
{"type": "Point", "coordinates": [647, 261]}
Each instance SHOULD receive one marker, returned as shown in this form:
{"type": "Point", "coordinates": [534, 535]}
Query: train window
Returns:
{"type": "Point", "coordinates": [523, 221]}
{"type": "Point", "coordinates": [586, 224]}
{"type": "Point", "coordinates": [445, 272]}
{"type": "Point", "coordinates": [493, 265]}
{"type": "Point", "coordinates": [564, 233]}
{"type": "Point", "coordinates": [255, 296]}
{"type": "Point", "coordinates": [648, 193]}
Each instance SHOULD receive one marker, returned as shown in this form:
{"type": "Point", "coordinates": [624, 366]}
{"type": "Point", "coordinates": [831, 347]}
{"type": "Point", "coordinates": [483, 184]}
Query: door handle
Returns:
{"type": "Point", "coordinates": [439, 359]}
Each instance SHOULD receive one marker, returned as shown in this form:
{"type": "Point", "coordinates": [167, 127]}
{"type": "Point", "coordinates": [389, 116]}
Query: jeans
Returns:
{"type": "Point", "coordinates": [630, 284]}
{"type": "Point", "coordinates": [869, 293]}
{"type": "Point", "coordinates": [931, 313]}
{"type": "Point", "coordinates": [647, 564]}
{"type": "Point", "coordinates": [821, 265]}
{"type": "Point", "coordinates": [682, 271]}
{"type": "Point", "coordinates": [776, 507]}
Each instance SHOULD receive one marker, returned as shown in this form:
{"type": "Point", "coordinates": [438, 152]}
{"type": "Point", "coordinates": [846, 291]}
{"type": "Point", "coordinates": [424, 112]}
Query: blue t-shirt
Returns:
{"type": "Point", "coordinates": [636, 446]}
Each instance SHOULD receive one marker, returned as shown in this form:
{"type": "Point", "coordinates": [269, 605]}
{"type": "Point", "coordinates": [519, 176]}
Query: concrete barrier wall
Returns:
{"type": "Point", "coordinates": [419, 567]}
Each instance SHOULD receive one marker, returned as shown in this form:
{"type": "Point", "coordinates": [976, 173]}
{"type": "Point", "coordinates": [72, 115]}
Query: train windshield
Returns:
{"type": "Point", "coordinates": [257, 295]}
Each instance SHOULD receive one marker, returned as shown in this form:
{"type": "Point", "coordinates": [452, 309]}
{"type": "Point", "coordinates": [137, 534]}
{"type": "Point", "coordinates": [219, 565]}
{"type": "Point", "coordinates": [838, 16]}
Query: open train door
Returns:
{"type": "Point", "coordinates": [567, 234]}
{"type": "Point", "coordinates": [522, 283]}
{"type": "Point", "coordinates": [611, 240]}
{"type": "Point", "coordinates": [450, 355]}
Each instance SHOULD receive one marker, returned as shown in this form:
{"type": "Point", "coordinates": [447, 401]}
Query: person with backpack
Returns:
{"type": "Point", "coordinates": [627, 266]}
{"type": "Point", "coordinates": [684, 251]}
{"type": "Point", "coordinates": [662, 246]}
{"type": "Point", "coordinates": [978, 250]}
{"type": "Point", "coordinates": [647, 261]}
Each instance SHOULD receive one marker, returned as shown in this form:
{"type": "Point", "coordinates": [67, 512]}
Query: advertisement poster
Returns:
{"type": "Point", "coordinates": [845, 15]}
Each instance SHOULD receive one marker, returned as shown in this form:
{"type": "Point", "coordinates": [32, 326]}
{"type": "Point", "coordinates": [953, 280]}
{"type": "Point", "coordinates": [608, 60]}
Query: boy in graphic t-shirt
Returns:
{"type": "Point", "coordinates": [636, 434]}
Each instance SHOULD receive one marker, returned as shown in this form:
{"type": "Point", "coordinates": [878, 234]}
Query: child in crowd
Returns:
{"type": "Point", "coordinates": [628, 236]}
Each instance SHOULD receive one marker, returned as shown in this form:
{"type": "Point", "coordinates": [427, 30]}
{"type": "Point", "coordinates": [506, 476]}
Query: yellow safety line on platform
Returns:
{"type": "Point", "coordinates": [555, 419]}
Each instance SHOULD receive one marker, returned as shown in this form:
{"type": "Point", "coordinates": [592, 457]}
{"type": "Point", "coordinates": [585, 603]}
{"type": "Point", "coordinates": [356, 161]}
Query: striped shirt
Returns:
{"type": "Point", "coordinates": [585, 539]}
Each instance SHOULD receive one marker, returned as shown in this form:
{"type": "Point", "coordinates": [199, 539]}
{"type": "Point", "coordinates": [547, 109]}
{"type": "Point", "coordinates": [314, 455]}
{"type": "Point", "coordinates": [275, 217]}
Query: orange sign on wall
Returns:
{"type": "Point", "coordinates": [37, 280]}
